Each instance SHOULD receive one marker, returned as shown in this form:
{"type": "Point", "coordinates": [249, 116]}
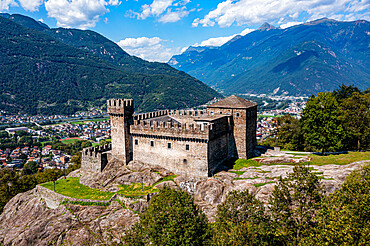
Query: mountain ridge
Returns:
{"type": "Point", "coordinates": [60, 71]}
{"type": "Point", "coordinates": [242, 63]}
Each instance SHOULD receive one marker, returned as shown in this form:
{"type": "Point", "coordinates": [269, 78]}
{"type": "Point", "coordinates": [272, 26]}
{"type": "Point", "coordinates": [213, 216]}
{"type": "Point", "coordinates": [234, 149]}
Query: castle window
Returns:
{"type": "Point", "coordinates": [185, 161]}
{"type": "Point", "coordinates": [187, 147]}
{"type": "Point", "coordinates": [237, 114]}
{"type": "Point", "coordinates": [136, 142]}
{"type": "Point", "coordinates": [152, 143]}
{"type": "Point", "coordinates": [220, 112]}
{"type": "Point", "coordinates": [169, 145]}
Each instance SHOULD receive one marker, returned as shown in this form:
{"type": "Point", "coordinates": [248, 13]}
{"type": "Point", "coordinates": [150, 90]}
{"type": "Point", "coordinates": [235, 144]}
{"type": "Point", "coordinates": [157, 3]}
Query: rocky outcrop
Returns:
{"type": "Point", "coordinates": [27, 219]}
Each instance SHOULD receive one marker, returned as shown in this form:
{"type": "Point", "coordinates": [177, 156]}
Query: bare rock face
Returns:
{"type": "Point", "coordinates": [27, 220]}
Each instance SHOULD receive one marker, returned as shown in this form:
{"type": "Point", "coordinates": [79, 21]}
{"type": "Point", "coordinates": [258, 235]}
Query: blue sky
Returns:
{"type": "Point", "coordinates": [157, 29]}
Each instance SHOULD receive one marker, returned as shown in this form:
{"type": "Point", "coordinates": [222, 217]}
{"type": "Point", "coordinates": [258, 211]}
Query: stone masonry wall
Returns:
{"type": "Point", "coordinates": [94, 159]}
{"type": "Point", "coordinates": [188, 157]}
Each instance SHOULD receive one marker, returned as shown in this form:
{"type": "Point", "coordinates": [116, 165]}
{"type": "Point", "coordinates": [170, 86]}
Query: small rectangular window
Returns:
{"type": "Point", "coordinates": [169, 145]}
{"type": "Point", "coordinates": [152, 143]}
{"type": "Point", "coordinates": [136, 142]}
{"type": "Point", "coordinates": [237, 114]}
{"type": "Point", "coordinates": [187, 147]}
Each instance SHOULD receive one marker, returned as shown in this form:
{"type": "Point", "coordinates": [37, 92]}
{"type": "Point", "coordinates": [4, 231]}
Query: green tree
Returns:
{"type": "Point", "coordinates": [31, 167]}
{"type": "Point", "coordinates": [356, 119]}
{"type": "Point", "coordinates": [289, 133]}
{"type": "Point", "coordinates": [344, 91]}
{"type": "Point", "coordinates": [86, 144]}
{"type": "Point", "coordinates": [294, 203]}
{"type": "Point", "coordinates": [172, 218]}
{"type": "Point", "coordinates": [321, 125]}
{"type": "Point", "coordinates": [345, 215]}
{"type": "Point", "coordinates": [241, 220]}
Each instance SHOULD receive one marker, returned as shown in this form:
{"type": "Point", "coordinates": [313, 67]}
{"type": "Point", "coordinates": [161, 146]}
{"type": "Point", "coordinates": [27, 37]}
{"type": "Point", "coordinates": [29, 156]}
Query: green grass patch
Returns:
{"type": "Point", "coordinates": [70, 140]}
{"type": "Point", "coordinates": [240, 163]}
{"type": "Point", "coordinates": [271, 177]}
{"type": "Point", "coordinates": [136, 189]}
{"type": "Point", "coordinates": [72, 188]}
{"type": "Point", "coordinates": [104, 204]}
{"type": "Point", "coordinates": [237, 178]}
{"type": "Point", "coordinates": [237, 172]}
{"type": "Point", "coordinates": [340, 159]}
{"type": "Point", "coordinates": [262, 184]}
{"type": "Point", "coordinates": [262, 171]}
{"type": "Point", "coordinates": [168, 178]}
{"type": "Point", "coordinates": [83, 122]}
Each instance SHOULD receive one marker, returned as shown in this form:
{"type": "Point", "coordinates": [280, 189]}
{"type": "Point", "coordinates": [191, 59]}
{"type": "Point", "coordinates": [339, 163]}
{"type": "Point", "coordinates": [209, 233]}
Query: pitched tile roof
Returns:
{"type": "Point", "coordinates": [233, 102]}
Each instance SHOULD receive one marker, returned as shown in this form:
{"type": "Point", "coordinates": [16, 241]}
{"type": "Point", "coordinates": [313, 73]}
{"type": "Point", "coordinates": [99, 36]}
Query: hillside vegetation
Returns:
{"type": "Point", "coordinates": [303, 59]}
{"type": "Point", "coordinates": [60, 71]}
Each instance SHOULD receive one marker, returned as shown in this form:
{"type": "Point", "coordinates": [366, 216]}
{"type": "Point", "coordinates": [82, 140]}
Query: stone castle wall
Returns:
{"type": "Point", "coordinates": [94, 159]}
{"type": "Point", "coordinates": [121, 116]}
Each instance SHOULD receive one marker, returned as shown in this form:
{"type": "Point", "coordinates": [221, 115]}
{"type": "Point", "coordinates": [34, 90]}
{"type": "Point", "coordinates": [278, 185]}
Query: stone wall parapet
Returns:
{"type": "Point", "coordinates": [150, 115]}
{"type": "Point", "coordinates": [95, 151]}
{"type": "Point", "coordinates": [119, 106]}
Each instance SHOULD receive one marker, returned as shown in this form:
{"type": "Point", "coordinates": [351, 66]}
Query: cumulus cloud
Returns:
{"type": "Point", "coordinates": [289, 24]}
{"type": "Point", "coordinates": [166, 10]}
{"type": "Point", "coordinates": [215, 41]}
{"type": "Point", "coordinates": [78, 13]}
{"type": "Point", "coordinates": [150, 49]}
{"type": "Point", "coordinates": [253, 12]}
{"type": "Point", "coordinates": [220, 40]}
{"type": "Point", "coordinates": [155, 9]}
{"type": "Point", "coordinates": [31, 5]}
{"type": "Point", "coordinates": [173, 16]}
{"type": "Point", "coordinates": [5, 4]}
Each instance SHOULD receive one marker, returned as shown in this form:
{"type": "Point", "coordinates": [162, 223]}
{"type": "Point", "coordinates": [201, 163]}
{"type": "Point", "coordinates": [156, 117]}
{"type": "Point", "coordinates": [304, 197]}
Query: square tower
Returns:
{"type": "Point", "coordinates": [121, 111]}
{"type": "Point", "coordinates": [244, 122]}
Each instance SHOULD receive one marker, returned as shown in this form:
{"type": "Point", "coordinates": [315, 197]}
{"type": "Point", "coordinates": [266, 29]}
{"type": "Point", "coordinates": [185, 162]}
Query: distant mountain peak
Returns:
{"type": "Point", "coordinates": [266, 27]}
{"type": "Point", "coordinates": [322, 20]}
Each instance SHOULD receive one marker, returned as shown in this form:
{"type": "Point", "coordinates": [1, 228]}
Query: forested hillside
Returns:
{"type": "Point", "coordinates": [299, 60]}
{"type": "Point", "coordinates": [60, 71]}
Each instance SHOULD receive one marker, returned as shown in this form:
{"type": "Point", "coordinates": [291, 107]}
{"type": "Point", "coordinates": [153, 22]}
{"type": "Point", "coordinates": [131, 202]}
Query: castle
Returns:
{"type": "Point", "coordinates": [190, 143]}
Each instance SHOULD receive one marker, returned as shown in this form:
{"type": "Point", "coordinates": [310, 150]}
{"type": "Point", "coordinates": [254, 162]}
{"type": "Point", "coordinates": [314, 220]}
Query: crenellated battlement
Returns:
{"type": "Point", "coordinates": [119, 106]}
{"type": "Point", "coordinates": [150, 115]}
{"type": "Point", "coordinates": [171, 129]}
{"type": "Point", "coordinates": [188, 112]}
{"type": "Point", "coordinates": [95, 158]}
{"type": "Point", "coordinates": [95, 151]}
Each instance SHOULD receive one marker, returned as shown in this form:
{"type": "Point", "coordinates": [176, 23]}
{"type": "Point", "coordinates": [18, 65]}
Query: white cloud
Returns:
{"type": "Point", "coordinates": [31, 5]}
{"type": "Point", "coordinates": [215, 41]}
{"type": "Point", "coordinates": [173, 16]}
{"type": "Point", "coordinates": [289, 24]}
{"type": "Point", "coordinates": [220, 40]}
{"type": "Point", "coordinates": [166, 10]}
{"type": "Point", "coordinates": [155, 9]}
{"type": "Point", "coordinates": [5, 4]}
{"type": "Point", "coordinates": [246, 31]}
{"type": "Point", "coordinates": [150, 49]}
{"type": "Point", "coordinates": [78, 13]}
{"type": "Point", "coordinates": [253, 12]}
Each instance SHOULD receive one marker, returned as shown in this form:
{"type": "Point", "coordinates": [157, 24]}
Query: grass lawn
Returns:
{"type": "Point", "coordinates": [70, 140]}
{"type": "Point", "coordinates": [240, 163]}
{"type": "Point", "coordinates": [83, 122]}
{"type": "Point", "coordinates": [341, 159]}
{"type": "Point", "coordinates": [72, 188]}
{"type": "Point", "coordinates": [136, 189]}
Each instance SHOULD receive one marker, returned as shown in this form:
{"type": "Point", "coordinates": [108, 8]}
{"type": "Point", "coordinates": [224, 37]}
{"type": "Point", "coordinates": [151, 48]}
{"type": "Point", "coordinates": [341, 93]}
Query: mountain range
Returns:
{"type": "Point", "coordinates": [60, 71]}
{"type": "Point", "coordinates": [299, 60]}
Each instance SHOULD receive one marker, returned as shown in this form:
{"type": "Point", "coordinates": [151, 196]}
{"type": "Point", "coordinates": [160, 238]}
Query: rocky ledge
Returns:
{"type": "Point", "coordinates": [27, 219]}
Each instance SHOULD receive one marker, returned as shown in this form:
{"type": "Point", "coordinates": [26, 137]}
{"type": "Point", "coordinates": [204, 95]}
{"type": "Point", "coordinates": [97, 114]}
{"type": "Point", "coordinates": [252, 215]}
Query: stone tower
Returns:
{"type": "Point", "coordinates": [244, 117]}
{"type": "Point", "coordinates": [121, 111]}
